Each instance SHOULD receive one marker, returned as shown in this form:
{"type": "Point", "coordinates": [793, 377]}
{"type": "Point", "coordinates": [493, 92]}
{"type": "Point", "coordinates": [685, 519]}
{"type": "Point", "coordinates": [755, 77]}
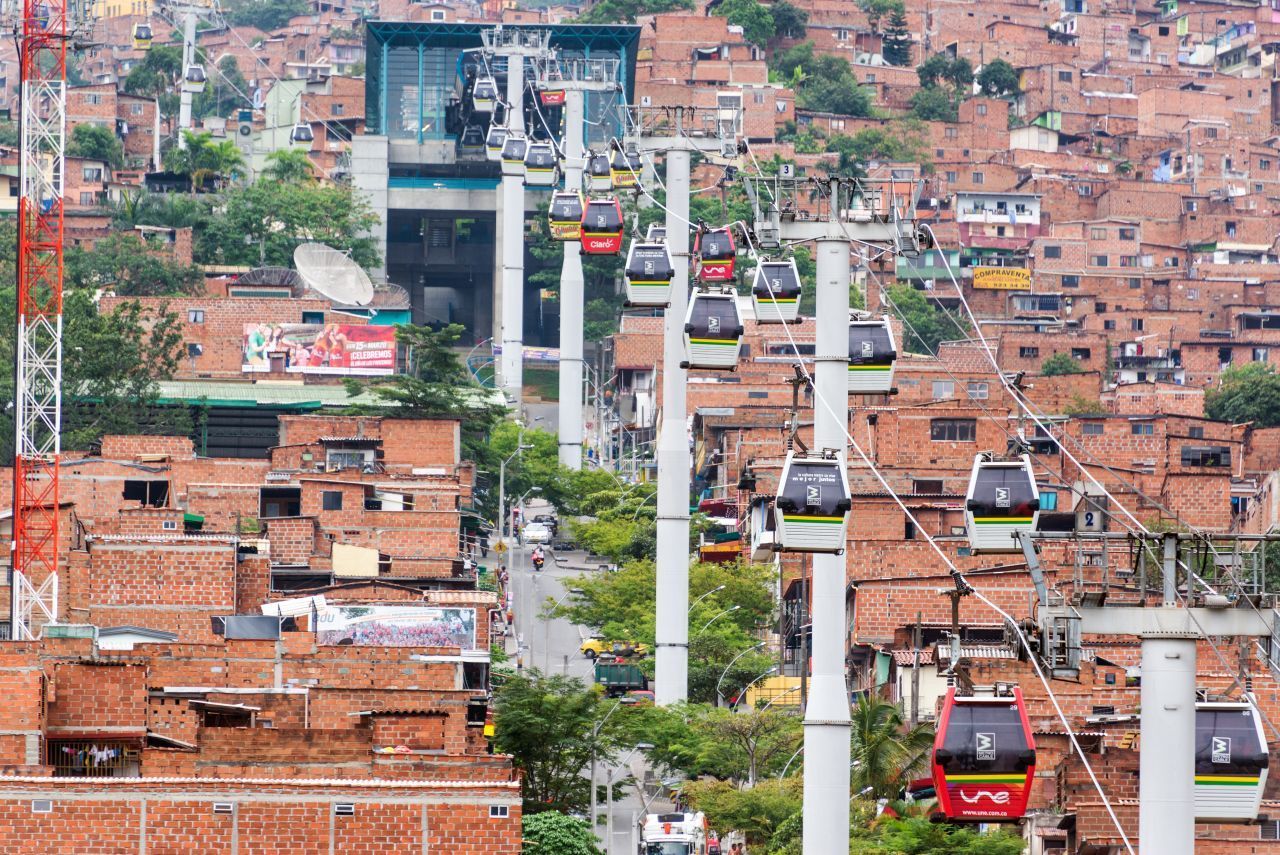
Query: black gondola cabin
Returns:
{"type": "Point", "coordinates": [813, 504]}
{"type": "Point", "coordinates": [775, 292]}
{"type": "Point", "coordinates": [713, 330]}
{"type": "Point", "coordinates": [602, 227]}
{"type": "Point", "coordinates": [648, 271]}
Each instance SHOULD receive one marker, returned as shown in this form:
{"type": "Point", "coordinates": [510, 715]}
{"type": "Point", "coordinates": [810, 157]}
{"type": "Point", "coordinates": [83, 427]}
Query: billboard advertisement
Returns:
{"type": "Point", "coordinates": [320, 348]}
{"type": "Point", "coordinates": [397, 626]}
{"type": "Point", "coordinates": [1002, 278]}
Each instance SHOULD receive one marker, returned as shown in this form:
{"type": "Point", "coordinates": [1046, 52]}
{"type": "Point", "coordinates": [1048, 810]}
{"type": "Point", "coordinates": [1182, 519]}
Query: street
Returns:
{"type": "Point", "coordinates": [552, 646]}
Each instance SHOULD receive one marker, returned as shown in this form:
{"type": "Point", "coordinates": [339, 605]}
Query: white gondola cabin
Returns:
{"type": "Point", "coordinates": [775, 292]}
{"type": "Point", "coordinates": [813, 504]}
{"type": "Point", "coordinates": [541, 165]}
{"type": "Point", "coordinates": [142, 37]}
{"type": "Point", "coordinates": [713, 330]}
{"type": "Point", "coordinates": [657, 233]}
{"type": "Point", "coordinates": [194, 79]}
{"type": "Point", "coordinates": [1002, 501]}
{"type": "Point", "coordinates": [513, 151]}
{"type": "Point", "coordinates": [648, 271]}
{"type": "Point", "coordinates": [494, 141]}
{"type": "Point", "coordinates": [471, 141]}
{"type": "Point", "coordinates": [597, 175]}
{"type": "Point", "coordinates": [1231, 762]}
{"type": "Point", "coordinates": [302, 135]}
{"type": "Point", "coordinates": [484, 95]}
{"type": "Point", "coordinates": [764, 529]}
{"type": "Point", "coordinates": [564, 216]}
{"type": "Point", "coordinates": [872, 353]}
{"type": "Point", "coordinates": [624, 169]}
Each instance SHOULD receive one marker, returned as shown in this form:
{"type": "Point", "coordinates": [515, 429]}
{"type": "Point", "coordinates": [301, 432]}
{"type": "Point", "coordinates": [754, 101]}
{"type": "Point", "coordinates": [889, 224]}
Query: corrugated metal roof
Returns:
{"type": "Point", "coordinates": [977, 651]}
{"type": "Point", "coordinates": [263, 394]}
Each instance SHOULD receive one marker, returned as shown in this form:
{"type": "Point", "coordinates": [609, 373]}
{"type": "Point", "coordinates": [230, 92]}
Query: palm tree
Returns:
{"type": "Point", "coordinates": [886, 753]}
{"type": "Point", "coordinates": [201, 159]}
{"type": "Point", "coordinates": [289, 166]}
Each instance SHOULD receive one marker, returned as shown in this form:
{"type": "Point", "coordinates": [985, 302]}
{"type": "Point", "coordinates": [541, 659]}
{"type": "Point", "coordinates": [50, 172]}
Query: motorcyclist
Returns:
{"type": "Point", "coordinates": [538, 558]}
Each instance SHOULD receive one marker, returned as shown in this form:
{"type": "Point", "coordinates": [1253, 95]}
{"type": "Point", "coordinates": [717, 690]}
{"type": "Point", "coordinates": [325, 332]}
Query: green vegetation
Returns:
{"type": "Point", "coordinates": [1059, 364]}
{"type": "Point", "coordinates": [626, 11]}
{"type": "Point", "coordinates": [553, 833]}
{"type": "Point", "coordinates": [877, 9]}
{"type": "Point", "coordinates": [125, 264]}
{"type": "Point", "coordinates": [289, 166]}
{"type": "Point", "coordinates": [1246, 393]}
{"type": "Point", "coordinates": [157, 77]}
{"type": "Point", "coordinates": [226, 91]}
{"type": "Point", "coordinates": [266, 15]}
{"type": "Point", "coordinates": [998, 79]}
{"type": "Point", "coordinates": [926, 326]}
{"type": "Point", "coordinates": [824, 83]}
{"type": "Point", "coordinates": [789, 21]}
{"type": "Point", "coordinates": [1082, 406]}
{"type": "Point", "coordinates": [202, 160]}
{"type": "Point", "coordinates": [896, 46]}
{"type": "Point", "coordinates": [756, 20]}
{"type": "Point", "coordinates": [886, 753]}
{"type": "Point", "coordinates": [935, 101]}
{"type": "Point", "coordinates": [941, 68]}
{"type": "Point", "coordinates": [935, 104]}
{"type": "Point", "coordinates": [96, 142]}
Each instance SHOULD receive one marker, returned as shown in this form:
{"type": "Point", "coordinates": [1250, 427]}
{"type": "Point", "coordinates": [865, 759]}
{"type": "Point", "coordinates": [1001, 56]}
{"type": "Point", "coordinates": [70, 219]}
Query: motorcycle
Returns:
{"type": "Point", "coordinates": [537, 563]}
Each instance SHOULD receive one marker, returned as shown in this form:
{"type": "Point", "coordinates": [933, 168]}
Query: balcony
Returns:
{"type": "Point", "coordinates": [998, 216]}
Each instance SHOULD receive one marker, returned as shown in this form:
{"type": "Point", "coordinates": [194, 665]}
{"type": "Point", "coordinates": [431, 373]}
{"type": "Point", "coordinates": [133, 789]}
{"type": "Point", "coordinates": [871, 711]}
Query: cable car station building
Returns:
{"type": "Point", "coordinates": [435, 192]}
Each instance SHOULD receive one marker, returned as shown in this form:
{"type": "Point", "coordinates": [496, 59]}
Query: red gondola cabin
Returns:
{"type": "Point", "coordinates": [984, 757]}
{"type": "Point", "coordinates": [602, 227]}
{"type": "Point", "coordinates": [715, 253]}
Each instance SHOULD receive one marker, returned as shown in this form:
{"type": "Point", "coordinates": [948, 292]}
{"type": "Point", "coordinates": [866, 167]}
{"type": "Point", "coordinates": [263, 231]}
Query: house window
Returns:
{"type": "Point", "coordinates": [86, 198]}
{"type": "Point", "coordinates": [194, 350]}
{"type": "Point", "coordinates": [92, 173]}
{"type": "Point", "coordinates": [977, 391]}
{"type": "Point", "coordinates": [1097, 234]}
{"type": "Point", "coordinates": [1214, 455]}
{"type": "Point", "coordinates": [943, 389]}
{"type": "Point", "coordinates": [336, 109]}
{"type": "Point", "coordinates": [1064, 76]}
{"type": "Point", "coordinates": [1193, 293]}
{"type": "Point", "coordinates": [926, 486]}
{"type": "Point", "coordinates": [1028, 352]}
{"type": "Point", "coordinates": [950, 132]}
{"type": "Point", "coordinates": [1261, 354]}
{"type": "Point", "coordinates": [437, 15]}
{"type": "Point", "coordinates": [1231, 228]}
{"type": "Point", "coordinates": [978, 178]}
{"type": "Point", "coordinates": [1128, 234]}
{"type": "Point", "coordinates": [92, 98]}
{"type": "Point", "coordinates": [135, 109]}
{"type": "Point", "coordinates": [1135, 324]}
{"type": "Point", "coordinates": [195, 316]}
{"type": "Point", "coordinates": [981, 109]}
{"type": "Point", "coordinates": [331, 500]}
{"type": "Point", "coordinates": [842, 35]}
{"type": "Point", "coordinates": [1081, 353]}
{"type": "Point", "coordinates": [1109, 324]}
{"type": "Point", "coordinates": [499, 811]}
{"type": "Point", "coordinates": [1142, 429]}
{"type": "Point", "coordinates": [1263, 163]}
{"type": "Point", "coordinates": [347, 459]}
{"type": "Point", "coordinates": [1093, 428]}
{"type": "Point", "coordinates": [1224, 356]}
{"type": "Point", "coordinates": [952, 176]}
{"type": "Point", "coordinates": [1070, 280]}
{"type": "Point", "coordinates": [953, 430]}
{"type": "Point", "coordinates": [1053, 252]}
{"type": "Point", "coordinates": [313, 317]}
{"type": "Point", "coordinates": [1195, 432]}
{"type": "Point", "coordinates": [1098, 260]}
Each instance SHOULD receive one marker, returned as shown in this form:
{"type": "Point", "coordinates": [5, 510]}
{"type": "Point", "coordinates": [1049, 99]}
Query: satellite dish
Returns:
{"type": "Point", "coordinates": [333, 274]}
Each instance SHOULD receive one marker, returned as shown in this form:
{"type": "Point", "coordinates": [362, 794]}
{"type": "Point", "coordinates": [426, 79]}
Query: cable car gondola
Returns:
{"type": "Point", "coordinates": [624, 169]}
{"type": "Point", "coordinates": [984, 757]}
{"type": "Point", "coordinates": [564, 216]}
{"type": "Point", "coordinates": [872, 353]}
{"type": "Point", "coordinates": [142, 37]}
{"type": "Point", "coordinates": [775, 292]}
{"type": "Point", "coordinates": [715, 253]}
{"type": "Point", "coordinates": [541, 165]}
{"type": "Point", "coordinates": [657, 233]}
{"type": "Point", "coordinates": [1002, 501]}
{"type": "Point", "coordinates": [484, 95]}
{"type": "Point", "coordinates": [302, 135]}
{"type": "Point", "coordinates": [597, 174]}
{"type": "Point", "coordinates": [602, 227]}
{"type": "Point", "coordinates": [813, 504]}
{"type": "Point", "coordinates": [764, 529]}
{"type": "Point", "coordinates": [513, 151]}
{"type": "Point", "coordinates": [494, 141]}
{"type": "Point", "coordinates": [471, 141]}
{"type": "Point", "coordinates": [712, 330]}
{"type": "Point", "coordinates": [649, 271]}
{"type": "Point", "coordinates": [193, 80]}
{"type": "Point", "coordinates": [1231, 762]}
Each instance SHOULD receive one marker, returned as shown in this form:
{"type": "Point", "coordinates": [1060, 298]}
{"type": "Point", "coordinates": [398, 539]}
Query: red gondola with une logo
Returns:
{"type": "Point", "coordinates": [714, 254]}
{"type": "Point", "coordinates": [984, 757]}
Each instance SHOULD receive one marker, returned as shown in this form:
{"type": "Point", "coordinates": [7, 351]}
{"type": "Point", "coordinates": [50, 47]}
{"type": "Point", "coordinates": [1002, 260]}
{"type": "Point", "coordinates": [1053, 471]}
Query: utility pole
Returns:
{"type": "Point", "coordinates": [915, 671]}
{"type": "Point", "coordinates": [676, 133]}
{"type": "Point", "coordinates": [873, 219]}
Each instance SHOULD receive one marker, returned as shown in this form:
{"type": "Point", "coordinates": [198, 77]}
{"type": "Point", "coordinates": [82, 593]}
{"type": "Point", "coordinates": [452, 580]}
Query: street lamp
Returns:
{"type": "Point", "coordinates": [640, 746]}
{"type": "Point", "coordinates": [595, 734]}
{"type": "Point", "coordinates": [743, 693]}
{"type": "Point", "coordinates": [714, 619]}
{"type": "Point", "coordinates": [725, 672]}
{"type": "Point", "coordinates": [546, 628]}
{"type": "Point", "coordinates": [714, 590]}
{"type": "Point", "coordinates": [502, 489]}
{"type": "Point", "coordinates": [789, 762]}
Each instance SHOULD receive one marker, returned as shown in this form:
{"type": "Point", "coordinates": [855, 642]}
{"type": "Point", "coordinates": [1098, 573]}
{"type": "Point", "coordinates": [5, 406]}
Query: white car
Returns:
{"type": "Point", "coordinates": [536, 532]}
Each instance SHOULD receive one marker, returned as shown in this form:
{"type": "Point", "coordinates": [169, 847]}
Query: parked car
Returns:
{"type": "Point", "coordinates": [593, 647]}
{"type": "Point", "coordinates": [550, 521]}
{"type": "Point", "coordinates": [536, 532]}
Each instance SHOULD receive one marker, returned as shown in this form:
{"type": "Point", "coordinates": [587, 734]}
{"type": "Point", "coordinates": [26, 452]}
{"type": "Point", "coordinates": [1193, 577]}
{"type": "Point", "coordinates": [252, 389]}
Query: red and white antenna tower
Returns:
{"type": "Point", "coordinates": [45, 29]}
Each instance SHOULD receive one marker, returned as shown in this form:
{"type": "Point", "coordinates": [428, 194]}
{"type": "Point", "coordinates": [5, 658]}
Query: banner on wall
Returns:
{"type": "Point", "coordinates": [320, 348]}
{"type": "Point", "coordinates": [397, 626]}
{"type": "Point", "coordinates": [1002, 278]}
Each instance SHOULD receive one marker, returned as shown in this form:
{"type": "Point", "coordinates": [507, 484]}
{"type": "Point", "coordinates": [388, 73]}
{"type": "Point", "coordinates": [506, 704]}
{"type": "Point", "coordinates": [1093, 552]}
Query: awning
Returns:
{"type": "Point", "coordinates": [192, 519]}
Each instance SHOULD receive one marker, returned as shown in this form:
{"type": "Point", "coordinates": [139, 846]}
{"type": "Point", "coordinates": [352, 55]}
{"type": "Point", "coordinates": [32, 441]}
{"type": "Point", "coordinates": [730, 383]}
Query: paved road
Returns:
{"type": "Point", "coordinates": [552, 646]}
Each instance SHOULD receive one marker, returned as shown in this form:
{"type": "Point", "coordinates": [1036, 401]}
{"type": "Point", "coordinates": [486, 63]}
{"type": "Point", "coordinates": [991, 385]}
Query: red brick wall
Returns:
{"type": "Point", "coordinates": [85, 697]}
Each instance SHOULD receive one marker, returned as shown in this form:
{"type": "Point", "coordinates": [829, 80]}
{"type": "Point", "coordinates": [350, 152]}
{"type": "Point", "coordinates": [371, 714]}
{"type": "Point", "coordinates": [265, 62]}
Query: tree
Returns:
{"type": "Point", "coordinates": [266, 15]}
{"type": "Point", "coordinates": [998, 79]}
{"type": "Point", "coordinates": [553, 833]}
{"type": "Point", "coordinates": [941, 68]}
{"type": "Point", "coordinates": [746, 746]}
{"type": "Point", "coordinates": [227, 91]}
{"type": "Point", "coordinates": [886, 754]}
{"type": "Point", "coordinates": [202, 159]}
{"type": "Point", "coordinates": [1246, 393]}
{"type": "Point", "coordinates": [896, 42]}
{"type": "Point", "coordinates": [824, 83]}
{"type": "Point", "coordinates": [925, 325]}
{"type": "Point", "coordinates": [789, 21]}
{"type": "Point", "coordinates": [756, 813]}
{"type": "Point", "coordinates": [157, 77]}
{"type": "Point", "coordinates": [1079, 405]}
{"type": "Point", "coordinates": [920, 836]}
{"type": "Point", "coordinates": [1059, 364]}
{"type": "Point", "coordinates": [96, 142]}
{"type": "Point", "coordinates": [897, 141]}
{"type": "Point", "coordinates": [546, 723]}
{"type": "Point", "coordinates": [289, 166]}
{"type": "Point", "coordinates": [877, 9]}
{"type": "Point", "coordinates": [626, 11]}
{"type": "Point", "coordinates": [934, 104]}
{"type": "Point", "coordinates": [125, 264]}
{"type": "Point", "coordinates": [757, 22]}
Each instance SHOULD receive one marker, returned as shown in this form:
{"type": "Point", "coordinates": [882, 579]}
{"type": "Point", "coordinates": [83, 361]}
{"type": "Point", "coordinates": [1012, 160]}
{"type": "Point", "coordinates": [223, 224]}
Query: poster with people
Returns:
{"type": "Point", "coordinates": [319, 348]}
{"type": "Point", "coordinates": [397, 626]}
